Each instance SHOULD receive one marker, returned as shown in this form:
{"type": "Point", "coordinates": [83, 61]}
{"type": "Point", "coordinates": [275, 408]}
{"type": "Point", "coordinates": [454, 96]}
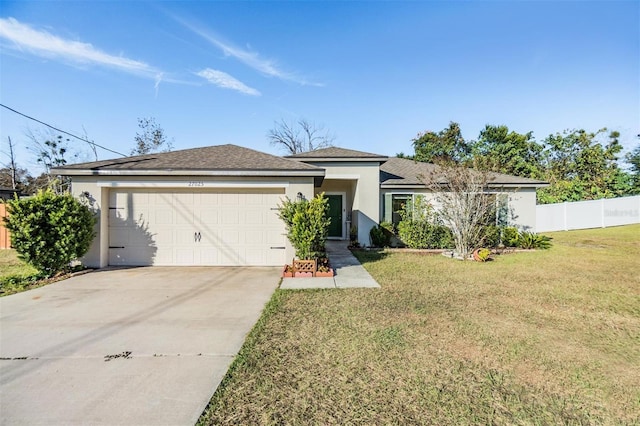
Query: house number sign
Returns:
{"type": "Point", "coordinates": [195, 183]}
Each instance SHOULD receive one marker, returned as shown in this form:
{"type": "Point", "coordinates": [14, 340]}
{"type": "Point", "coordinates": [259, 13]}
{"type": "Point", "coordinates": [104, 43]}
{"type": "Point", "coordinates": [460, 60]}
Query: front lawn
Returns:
{"type": "Point", "coordinates": [547, 337]}
{"type": "Point", "coordinates": [15, 275]}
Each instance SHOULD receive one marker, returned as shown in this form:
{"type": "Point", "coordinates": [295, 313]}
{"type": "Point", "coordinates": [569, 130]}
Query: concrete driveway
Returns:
{"type": "Point", "coordinates": [142, 346]}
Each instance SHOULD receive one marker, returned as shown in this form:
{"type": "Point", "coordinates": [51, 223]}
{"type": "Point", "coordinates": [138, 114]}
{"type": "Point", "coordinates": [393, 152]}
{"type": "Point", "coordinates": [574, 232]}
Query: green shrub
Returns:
{"type": "Point", "coordinates": [420, 228]}
{"type": "Point", "coordinates": [490, 236]}
{"type": "Point", "coordinates": [49, 231]}
{"type": "Point", "coordinates": [380, 237]}
{"type": "Point", "coordinates": [510, 236]}
{"type": "Point", "coordinates": [530, 240]}
{"type": "Point", "coordinates": [493, 236]}
{"type": "Point", "coordinates": [388, 226]}
{"type": "Point", "coordinates": [307, 224]}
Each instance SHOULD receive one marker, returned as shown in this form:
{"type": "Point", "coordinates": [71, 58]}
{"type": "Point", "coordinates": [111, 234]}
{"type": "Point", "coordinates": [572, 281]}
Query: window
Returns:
{"type": "Point", "coordinates": [392, 204]}
{"type": "Point", "coordinates": [498, 214]}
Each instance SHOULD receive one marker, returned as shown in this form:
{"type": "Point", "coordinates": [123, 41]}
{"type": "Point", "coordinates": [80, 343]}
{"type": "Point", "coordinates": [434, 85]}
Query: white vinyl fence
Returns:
{"type": "Point", "coordinates": [588, 214]}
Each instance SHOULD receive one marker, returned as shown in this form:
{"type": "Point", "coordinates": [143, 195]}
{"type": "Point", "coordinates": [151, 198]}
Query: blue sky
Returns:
{"type": "Point", "coordinates": [374, 73]}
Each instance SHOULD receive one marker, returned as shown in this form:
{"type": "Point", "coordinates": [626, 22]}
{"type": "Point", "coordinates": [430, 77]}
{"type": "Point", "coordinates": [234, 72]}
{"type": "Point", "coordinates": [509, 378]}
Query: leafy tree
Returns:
{"type": "Point", "coordinates": [49, 231]}
{"type": "Point", "coordinates": [403, 155]}
{"type": "Point", "coordinates": [445, 145]}
{"type": "Point", "coordinates": [633, 158]}
{"type": "Point", "coordinates": [500, 150]}
{"type": "Point", "coordinates": [307, 223]}
{"type": "Point", "coordinates": [580, 167]}
{"type": "Point", "coordinates": [302, 136]}
{"type": "Point", "coordinates": [151, 138]}
{"type": "Point", "coordinates": [17, 179]}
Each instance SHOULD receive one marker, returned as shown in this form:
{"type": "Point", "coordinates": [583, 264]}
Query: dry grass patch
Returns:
{"type": "Point", "coordinates": [532, 338]}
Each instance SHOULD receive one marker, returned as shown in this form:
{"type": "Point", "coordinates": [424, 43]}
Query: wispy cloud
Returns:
{"type": "Point", "coordinates": [224, 80]}
{"type": "Point", "coordinates": [44, 44]}
{"type": "Point", "coordinates": [250, 58]}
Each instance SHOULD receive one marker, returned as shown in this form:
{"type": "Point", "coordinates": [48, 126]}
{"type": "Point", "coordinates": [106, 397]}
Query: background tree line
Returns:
{"type": "Point", "coordinates": [579, 165]}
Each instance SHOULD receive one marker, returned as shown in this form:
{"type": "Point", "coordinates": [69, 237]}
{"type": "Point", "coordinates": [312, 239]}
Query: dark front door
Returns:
{"type": "Point", "coordinates": [335, 214]}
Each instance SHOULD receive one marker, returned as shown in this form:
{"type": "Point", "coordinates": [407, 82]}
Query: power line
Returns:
{"type": "Point", "coordinates": [62, 131]}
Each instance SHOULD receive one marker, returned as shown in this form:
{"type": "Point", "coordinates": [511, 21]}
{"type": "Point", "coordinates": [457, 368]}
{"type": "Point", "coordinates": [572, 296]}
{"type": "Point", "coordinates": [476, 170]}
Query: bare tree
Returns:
{"type": "Point", "coordinates": [301, 136]}
{"type": "Point", "coordinates": [151, 138]}
{"type": "Point", "coordinates": [51, 150]}
{"type": "Point", "coordinates": [11, 165]}
{"type": "Point", "coordinates": [463, 203]}
{"type": "Point", "coordinates": [92, 144]}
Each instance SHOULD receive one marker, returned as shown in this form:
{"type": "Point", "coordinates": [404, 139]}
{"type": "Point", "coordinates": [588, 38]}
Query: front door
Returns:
{"type": "Point", "coordinates": [335, 214]}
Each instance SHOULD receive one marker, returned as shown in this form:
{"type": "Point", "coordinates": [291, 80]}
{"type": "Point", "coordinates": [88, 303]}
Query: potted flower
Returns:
{"type": "Point", "coordinates": [481, 254]}
{"type": "Point", "coordinates": [287, 271]}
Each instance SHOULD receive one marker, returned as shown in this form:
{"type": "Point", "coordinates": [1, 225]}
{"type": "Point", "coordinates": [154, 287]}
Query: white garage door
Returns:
{"type": "Point", "coordinates": [222, 227]}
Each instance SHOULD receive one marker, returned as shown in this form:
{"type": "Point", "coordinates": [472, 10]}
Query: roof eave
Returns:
{"type": "Point", "coordinates": [93, 172]}
{"type": "Point", "coordinates": [339, 159]}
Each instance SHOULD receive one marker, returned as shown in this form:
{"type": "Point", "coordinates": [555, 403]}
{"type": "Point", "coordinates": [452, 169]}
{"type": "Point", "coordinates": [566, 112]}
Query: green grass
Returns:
{"type": "Point", "coordinates": [15, 275]}
{"type": "Point", "coordinates": [546, 337]}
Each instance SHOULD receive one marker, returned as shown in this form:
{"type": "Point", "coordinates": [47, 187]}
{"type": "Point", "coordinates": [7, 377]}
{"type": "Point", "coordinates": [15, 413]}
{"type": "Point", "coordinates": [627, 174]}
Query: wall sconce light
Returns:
{"type": "Point", "coordinates": [300, 196]}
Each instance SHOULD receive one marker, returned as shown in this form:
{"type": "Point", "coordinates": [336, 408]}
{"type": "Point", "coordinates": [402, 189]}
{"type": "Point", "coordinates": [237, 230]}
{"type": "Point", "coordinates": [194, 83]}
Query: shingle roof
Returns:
{"type": "Point", "coordinates": [404, 172]}
{"type": "Point", "coordinates": [336, 153]}
{"type": "Point", "coordinates": [219, 158]}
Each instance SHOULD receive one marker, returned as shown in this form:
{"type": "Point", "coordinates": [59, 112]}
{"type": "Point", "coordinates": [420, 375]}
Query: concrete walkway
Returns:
{"type": "Point", "coordinates": [349, 273]}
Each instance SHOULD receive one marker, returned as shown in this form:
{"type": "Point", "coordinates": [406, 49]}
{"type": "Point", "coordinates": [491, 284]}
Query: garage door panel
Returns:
{"type": "Point", "coordinates": [163, 216]}
{"type": "Point", "coordinates": [229, 199]}
{"type": "Point", "coordinates": [254, 256]}
{"type": "Point", "coordinates": [184, 256]}
{"type": "Point", "coordinates": [164, 256]}
{"type": "Point", "coordinates": [274, 257]}
{"type": "Point", "coordinates": [181, 216]}
{"type": "Point", "coordinates": [125, 257]}
{"type": "Point", "coordinates": [275, 238]}
{"type": "Point", "coordinates": [230, 217]}
{"type": "Point", "coordinates": [221, 227]}
{"type": "Point", "coordinates": [118, 237]}
{"type": "Point", "coordinates": [252, 236]}
{"type": "Point", "coordinates": [254, 217]}
{"type": "Point", "coordinates": [229, 257]}
{"type": "Point", "coordinates": [208, 216]}
{"type": "Point", "coordinates": [209, 256]}
{"type": "Point", "coordinates": [117, 215]}
{"type": "Point", "coordinates": [229, 237]}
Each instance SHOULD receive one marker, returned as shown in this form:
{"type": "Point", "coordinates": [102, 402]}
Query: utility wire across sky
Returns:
{"type": "Point", "coordinates": [62, 131]}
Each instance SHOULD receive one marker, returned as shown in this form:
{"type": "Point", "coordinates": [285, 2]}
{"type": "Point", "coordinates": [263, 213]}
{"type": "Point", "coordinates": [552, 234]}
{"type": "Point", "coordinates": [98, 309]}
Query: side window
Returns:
{"type": "Point", "coordinates": [498, 214]}
{"type": "Point", "coordinates": [398, 201]}
{"type": "Point", "coordinates": [502, 209]}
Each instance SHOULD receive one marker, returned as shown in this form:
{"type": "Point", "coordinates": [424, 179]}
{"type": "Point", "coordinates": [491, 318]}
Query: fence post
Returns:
{"type": "Point", "coordinates": [602, 211]}
{"type": "Point", "coordinates": [564, 209]}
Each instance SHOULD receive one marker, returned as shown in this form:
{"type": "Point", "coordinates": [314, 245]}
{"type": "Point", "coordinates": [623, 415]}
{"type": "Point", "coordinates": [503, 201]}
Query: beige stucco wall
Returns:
{"type": "Point", "coordinates": [98, 254]}
{"type": "Point", "coordinates": [98, 199]}
{"type": "Point", "coordinates": [363, 178]}
{"type": "Point", "coordinates": [522, 205]}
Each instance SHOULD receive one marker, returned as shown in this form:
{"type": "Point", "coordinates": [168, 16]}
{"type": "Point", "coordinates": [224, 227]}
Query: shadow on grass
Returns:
{"type": "Point", "coordinates": [369, 256]}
